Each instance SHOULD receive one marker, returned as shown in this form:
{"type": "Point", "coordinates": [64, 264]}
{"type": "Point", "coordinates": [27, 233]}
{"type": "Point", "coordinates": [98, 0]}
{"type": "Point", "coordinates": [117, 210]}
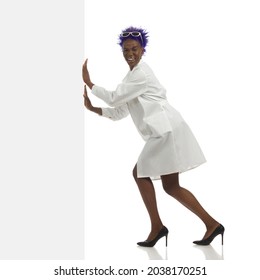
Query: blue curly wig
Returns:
{"type": "Point", "coordinates": [143, 41]}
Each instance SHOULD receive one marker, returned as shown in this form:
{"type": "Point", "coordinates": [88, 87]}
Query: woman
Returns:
{"type": "Point", "coordinates": [170, 145]}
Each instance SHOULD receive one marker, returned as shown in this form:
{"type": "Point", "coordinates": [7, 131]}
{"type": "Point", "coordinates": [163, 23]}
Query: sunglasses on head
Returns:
{"type": "Point", "coordinates": [132, 33]}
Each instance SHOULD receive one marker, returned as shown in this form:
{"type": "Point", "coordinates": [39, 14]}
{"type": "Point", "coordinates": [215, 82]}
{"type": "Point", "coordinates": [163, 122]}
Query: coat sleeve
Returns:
{"type": "Point", "coordinates": [116, 113]}
{"type": "Point", "coordinates": [129, 89]}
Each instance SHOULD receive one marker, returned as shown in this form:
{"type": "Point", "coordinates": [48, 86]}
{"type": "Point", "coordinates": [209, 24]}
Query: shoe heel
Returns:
{"type": "Point", "coordinates": [219, 230]}
{"type": "Point", "coordinates": [163, 232]}
{"type": "Point", "coordinates": [166, 237]}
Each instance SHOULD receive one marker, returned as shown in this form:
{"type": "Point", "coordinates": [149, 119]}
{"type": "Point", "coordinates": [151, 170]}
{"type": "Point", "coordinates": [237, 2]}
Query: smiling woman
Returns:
{"type": "Point", "coordinates": [133, 42]}
{"type": "Point", "coordinates": [170, 146]}
{"type": "Point", "coordinates": [133, 52]}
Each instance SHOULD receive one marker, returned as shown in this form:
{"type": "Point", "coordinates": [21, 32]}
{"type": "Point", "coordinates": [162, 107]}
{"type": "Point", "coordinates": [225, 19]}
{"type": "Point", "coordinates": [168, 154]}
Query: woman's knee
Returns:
{"type": "Point", "coordinates": [135, 172]}
{"type": "Point", "coordinates": [170, 183]}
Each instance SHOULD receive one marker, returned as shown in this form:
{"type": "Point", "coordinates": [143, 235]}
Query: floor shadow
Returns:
{"type": "Point", "coordinates": [210, 253]}
{"type": "Point", "coordinates": [153, 254]}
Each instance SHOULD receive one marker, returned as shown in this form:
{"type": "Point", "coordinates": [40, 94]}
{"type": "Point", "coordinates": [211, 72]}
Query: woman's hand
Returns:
{"type": "Point", "coordinates": [87, 102]}
{"type": "Point", "coordinates": [85, 75]}
{"type": "Point", "coordinates": [89, 105]}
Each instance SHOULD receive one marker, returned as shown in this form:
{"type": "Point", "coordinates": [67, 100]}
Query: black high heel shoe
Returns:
{"type": "Point", "coordinates": [163, 232]}
{"type": "Point", "coordinates": [219, 230]}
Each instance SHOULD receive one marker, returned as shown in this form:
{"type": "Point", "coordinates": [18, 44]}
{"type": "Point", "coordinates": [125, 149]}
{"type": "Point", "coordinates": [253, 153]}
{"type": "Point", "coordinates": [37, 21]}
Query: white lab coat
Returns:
{"type": "Point", "coordinates": [170, 145]}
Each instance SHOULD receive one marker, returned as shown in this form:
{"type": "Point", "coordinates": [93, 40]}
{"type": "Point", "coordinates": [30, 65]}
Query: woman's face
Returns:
{"type": "Point", "coordinates": [132, 52]}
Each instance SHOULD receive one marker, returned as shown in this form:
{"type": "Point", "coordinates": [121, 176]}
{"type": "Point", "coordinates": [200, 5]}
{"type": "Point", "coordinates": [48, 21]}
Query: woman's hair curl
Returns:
{"type": "Point", "coordinates": [143, 41]}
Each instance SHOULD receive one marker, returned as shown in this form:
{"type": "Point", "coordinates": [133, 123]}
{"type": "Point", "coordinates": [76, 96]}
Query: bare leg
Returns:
{"type": "Point", "coordinates": [147, 191]}
{"type": "Point", "coordinates": [171, 186]}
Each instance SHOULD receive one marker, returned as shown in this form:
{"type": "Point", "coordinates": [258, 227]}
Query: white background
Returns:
{"type": "Point", "coordinates": [206, 54]}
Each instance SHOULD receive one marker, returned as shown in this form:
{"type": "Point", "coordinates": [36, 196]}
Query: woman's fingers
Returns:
{"type": "Point", "coordinates": [85, 63]}
{"type": "Point", "coordinates": [85, 91]}
{"type": "Point", "coordinates": [84, 66]}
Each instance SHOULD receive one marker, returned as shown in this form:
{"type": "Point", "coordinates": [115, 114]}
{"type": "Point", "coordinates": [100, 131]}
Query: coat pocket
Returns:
{"type": "Point", "coordinates": [158, 124]}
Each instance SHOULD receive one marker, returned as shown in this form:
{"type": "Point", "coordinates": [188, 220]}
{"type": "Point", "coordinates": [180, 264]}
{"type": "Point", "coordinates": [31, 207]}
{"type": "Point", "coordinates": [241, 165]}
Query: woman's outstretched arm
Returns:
{"type": "Point", "coordinates": [114, 114]}
{"type": "Point", "coordinates": [126, 91]}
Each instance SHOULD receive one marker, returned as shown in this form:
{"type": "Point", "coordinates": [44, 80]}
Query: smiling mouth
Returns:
{"type": "Point", "coordinates": [130, 60]}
